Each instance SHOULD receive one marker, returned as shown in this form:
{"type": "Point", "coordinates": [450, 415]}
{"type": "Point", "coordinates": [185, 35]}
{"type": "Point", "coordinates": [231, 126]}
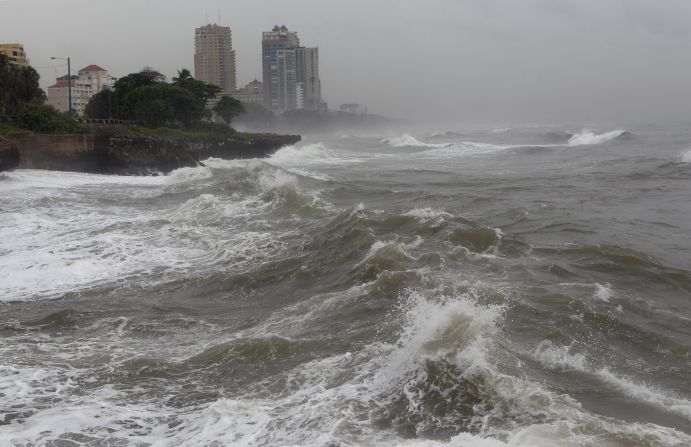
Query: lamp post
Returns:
{"type": "Point", "coordinates": [69, 83]}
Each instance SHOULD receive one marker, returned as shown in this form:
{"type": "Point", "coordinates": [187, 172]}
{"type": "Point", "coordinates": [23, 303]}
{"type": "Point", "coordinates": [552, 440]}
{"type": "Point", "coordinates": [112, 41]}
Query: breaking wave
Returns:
{"type": "Point", "coordinates": [408, 140]}
{"type": "Point", "coordinates": [587, 137]}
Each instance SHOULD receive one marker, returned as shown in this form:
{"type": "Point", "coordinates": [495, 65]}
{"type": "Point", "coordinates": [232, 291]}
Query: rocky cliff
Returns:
{"type": "Point", "coordinates": [109, 154]}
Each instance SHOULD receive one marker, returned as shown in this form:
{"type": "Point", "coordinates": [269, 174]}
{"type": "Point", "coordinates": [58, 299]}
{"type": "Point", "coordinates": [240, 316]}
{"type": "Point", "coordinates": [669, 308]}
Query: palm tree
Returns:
{"type": "Point", "coordinates": [183, 76]}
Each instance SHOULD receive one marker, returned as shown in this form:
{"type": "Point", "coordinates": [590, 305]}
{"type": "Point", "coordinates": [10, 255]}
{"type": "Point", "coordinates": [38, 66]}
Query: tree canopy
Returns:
{"type": "Point", "coordinates": [18, 85]}
{"type": "Point", "coordinates": [125, 85]}
{"type": "Point", "coordinates": [202, 90]}
{"type": "Point", "coordinates": [163, 104]}
{"type": "Point", "coordinates": [143, 98]}
{"type": "Point", "coordinates": [229, 108]}
{"type": "Point", "coordinates": [102, 105]}
{"type": "Point", "coordinates": [43, 118]}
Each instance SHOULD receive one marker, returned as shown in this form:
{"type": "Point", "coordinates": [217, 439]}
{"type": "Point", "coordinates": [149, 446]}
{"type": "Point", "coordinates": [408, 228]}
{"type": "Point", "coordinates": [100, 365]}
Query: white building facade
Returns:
{"type": "Point", "coordinates": [89, 81]}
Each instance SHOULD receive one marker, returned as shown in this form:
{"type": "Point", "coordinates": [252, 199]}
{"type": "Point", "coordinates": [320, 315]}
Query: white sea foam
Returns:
{"type": "Point", "coordinates": [428, 215]}
{"type": "Point", "coordinates": [56, 180]}
{"type": "Point", "coordinates": [587, 137]}
{"type": "Point", "coordinates": [408, 140]}
{"type": "Point", "coordinates": [646, 393]}
{"type": "Point", "coordinates": [686, 156]}
{"type": "Point", "coordinates": [325, 399]}
{"type": "Point", "coordinates": [189, 174]}
{"type": "Point", "coordinates": [562, 358]}
{"type": "Point", "coordinates": [603, 292]}
{"type": "Point", "coordinates": [311, 154]}
{"type": "Point", "coordinates": [66, 245]}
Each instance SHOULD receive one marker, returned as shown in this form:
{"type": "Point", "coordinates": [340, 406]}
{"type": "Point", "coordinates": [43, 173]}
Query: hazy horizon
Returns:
{"type": "Point", "coordinates": [435, 61]}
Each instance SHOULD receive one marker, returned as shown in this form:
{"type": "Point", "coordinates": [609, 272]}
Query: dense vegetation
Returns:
{"type": "Point", "coordinates": [18, 85]}
{"type": "Point", "coordinates": [22, 98]}
{"type": "Point", "coordinates": [140, 97]}
{"type": "Point", "coordinates": [43, 118]}
{"type": "Point", "coordinates": [229, 108]}
{"type": "Point", "coordinates": [151, 103]}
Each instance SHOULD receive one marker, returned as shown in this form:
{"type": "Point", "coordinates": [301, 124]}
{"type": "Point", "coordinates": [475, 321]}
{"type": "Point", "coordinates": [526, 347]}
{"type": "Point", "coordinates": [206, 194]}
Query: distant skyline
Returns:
{"type": "Point", "coordinates": [501, 61]}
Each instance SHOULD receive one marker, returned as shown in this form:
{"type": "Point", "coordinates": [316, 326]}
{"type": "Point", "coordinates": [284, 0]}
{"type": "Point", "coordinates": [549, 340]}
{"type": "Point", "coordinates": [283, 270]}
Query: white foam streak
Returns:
{"type": "Point", "coordinates": [587, 137]}
{"type": "Point", "coordinates": [686, 156]}
{"type": "Point", "coordinates": [562, 358]}
{"type": "Point", "coordinates": [408, 140]}
{"type": "Point", "coordinates": [311, 154]}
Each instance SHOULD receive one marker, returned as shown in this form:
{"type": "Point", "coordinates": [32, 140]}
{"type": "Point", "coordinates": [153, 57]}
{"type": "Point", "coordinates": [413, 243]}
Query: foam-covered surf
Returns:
{"type": "Point", "coordinates": [587, 137]}
{"type": "Point", "coordinates": [408, 140]}
{"type": "Point", "coordinates": [467, 288]}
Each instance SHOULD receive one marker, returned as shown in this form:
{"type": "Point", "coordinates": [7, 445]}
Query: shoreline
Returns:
{"type": "Point", "coordinates": [108, 151]}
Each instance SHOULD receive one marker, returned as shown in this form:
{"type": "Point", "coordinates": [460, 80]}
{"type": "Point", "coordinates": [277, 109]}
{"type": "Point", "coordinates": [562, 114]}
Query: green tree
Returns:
{"type": "Point", "coordinates": [163, 104]}
{"type": "Point", "coordinates": [102, 104]}
{"type": "Point", "coordinates": [125, 85]}
{"type": "Point", "coordinates": [43, 118]}
{"type": "Point", "coordinates": [200, 89]}
{"type": "Point", "coordinates": [17, 85]}
{"type": "Point", "coordinates": [229, 108]}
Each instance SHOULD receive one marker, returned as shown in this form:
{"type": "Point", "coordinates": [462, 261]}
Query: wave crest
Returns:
{"type": "Point", "coordinates": [587, 137]}
{"type": "Point", "coordinates": [408, 140]}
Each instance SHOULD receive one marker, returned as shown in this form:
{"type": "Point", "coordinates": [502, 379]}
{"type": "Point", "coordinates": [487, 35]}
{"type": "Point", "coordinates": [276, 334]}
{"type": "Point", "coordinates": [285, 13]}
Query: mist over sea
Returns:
{"type": "Point", "coordinates": [494, 287]}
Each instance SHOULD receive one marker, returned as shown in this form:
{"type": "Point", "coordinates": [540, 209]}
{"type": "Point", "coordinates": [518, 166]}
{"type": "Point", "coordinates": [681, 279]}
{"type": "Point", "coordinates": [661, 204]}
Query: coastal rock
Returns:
{"type": "Point", "coordinates": [109, 154]}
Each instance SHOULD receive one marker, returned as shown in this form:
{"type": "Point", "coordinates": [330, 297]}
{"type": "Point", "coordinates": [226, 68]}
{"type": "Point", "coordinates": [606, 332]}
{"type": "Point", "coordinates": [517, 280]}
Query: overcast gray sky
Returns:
{"type": "Point", "coordinates": [501, 61]}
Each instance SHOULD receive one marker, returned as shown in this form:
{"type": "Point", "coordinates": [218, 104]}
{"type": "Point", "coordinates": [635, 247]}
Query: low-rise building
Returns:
{"type": "Point", "coordinates": [355, 108]}
{"type": "Point", "coordinates": [15, 52]}
{"type": "Point", "coordinates": [251, 93]}
{"type": "Point", "coordinates": [89, 81]}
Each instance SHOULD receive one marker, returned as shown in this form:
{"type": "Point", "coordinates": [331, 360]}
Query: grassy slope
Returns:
{"type": "Point", "coordinates": [6, 128]}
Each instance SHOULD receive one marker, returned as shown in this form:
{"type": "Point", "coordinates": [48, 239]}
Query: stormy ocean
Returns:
{"type": "Point", "coordinates": [520, 287]}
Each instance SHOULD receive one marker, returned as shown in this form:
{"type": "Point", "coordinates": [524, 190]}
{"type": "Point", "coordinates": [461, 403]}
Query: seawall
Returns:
{"type": "Point", "coordinates": [109, 154]}
{"type": "Point", "coordinates": [9, 155]}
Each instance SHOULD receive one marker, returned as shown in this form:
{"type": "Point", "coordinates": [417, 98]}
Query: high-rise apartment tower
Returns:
{"type": "Point", "coordinates": [308, 76]}
{"type": "Point", "coordinates": [291, 72]}
{"type": "Point", "coordinates": [279, 68]}
{"type": "Point", "coordinates": [214, 57]}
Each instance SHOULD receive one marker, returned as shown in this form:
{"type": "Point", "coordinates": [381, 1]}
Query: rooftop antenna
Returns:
{"type": "Point", "coordinates": [207, 18]}
{"type": "Point", "coordinates": [219, 16]}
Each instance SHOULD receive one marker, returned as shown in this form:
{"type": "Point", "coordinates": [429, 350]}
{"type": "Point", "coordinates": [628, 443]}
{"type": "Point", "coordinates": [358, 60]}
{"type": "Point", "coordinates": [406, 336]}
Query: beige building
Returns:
{"type": "Point", "coordinates": [90, 80]}
{"type": "Point", "coordinates": [251, 93]}
{"type": "Point", "coordinates": [15, 52]}
{"type": "Point", "coordinates": [214, 57]}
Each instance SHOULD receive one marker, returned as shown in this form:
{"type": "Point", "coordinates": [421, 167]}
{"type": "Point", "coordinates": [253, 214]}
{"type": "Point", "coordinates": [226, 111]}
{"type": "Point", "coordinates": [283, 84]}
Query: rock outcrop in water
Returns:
{"type": "Point", "coordinates": [9, 155]}
{"type": "Point", "coordinates": [113, 154]}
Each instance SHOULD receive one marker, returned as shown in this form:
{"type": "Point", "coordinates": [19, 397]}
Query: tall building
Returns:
{"type": "Point", "coordinates": [308, 76]}
{"type": "Point", "coordinates": [89, 81]}
{"type": "Point", "coordinates": [287, 72]}
{"type": "Point", "coordinates": [15, 52]}
{"type": "Point", "coordinates": [276, 58]}
{"type": "Point", "coordinates": [291, 72]}
{"type": "Point", "coordinates": [214, 57]}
